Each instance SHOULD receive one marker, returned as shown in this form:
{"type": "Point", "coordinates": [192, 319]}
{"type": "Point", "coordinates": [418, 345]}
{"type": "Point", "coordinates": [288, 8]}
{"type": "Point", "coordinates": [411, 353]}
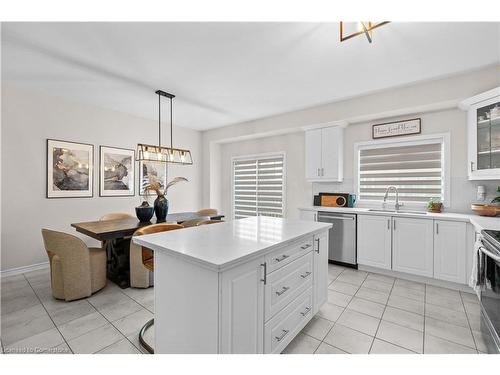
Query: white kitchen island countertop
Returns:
{"type": "Point", "coordinates": [223, 245]}
{"type": "Point", "coordinates": [479, 222]}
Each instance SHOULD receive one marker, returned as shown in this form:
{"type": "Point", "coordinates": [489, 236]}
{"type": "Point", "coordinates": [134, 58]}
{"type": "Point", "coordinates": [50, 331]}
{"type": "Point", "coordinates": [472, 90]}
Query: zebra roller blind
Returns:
{"type": "Point", "coordinates": [258, 186]}
{"type": "Point", "coordinates": [416, 170]}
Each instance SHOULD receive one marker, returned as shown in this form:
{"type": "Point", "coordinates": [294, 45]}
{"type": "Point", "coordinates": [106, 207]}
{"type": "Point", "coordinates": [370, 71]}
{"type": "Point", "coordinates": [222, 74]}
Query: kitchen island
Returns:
{"type": "Point", "coordinates": [242, 286]}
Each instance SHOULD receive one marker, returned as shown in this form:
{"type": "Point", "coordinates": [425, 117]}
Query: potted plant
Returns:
{"type": "Point", "coordinates": [161, 202]}
{"type": "Point", "coordinates": [435, 205]}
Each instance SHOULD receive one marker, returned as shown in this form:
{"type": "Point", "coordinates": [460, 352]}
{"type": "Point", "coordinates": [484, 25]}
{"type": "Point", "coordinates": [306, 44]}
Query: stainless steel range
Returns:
{"type": "Point", "coordinates": [490, 295]}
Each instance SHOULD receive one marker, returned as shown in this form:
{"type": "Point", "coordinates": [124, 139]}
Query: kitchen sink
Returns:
{"type": "Point", "coordinates": [398, 212]}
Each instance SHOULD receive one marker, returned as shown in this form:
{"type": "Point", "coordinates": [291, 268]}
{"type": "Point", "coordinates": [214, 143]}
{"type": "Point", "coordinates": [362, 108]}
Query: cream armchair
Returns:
{"type": "Point", "coordinates": [76, 271]}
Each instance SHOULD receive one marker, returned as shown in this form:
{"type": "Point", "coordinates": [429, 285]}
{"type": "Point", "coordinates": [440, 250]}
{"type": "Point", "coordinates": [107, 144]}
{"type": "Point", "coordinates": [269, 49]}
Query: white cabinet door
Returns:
{"type": "Point", "coordinates": [374, 241]}
{"type": "Point", "coordinates": [450, 238]}
{"type": "Point", "coordinates": [413, 246]}
{"type": "Point", "coordinates": [308, 215]}
{"type": "Point", "coordinates": [332, 153]}
{"type": "Point", "coordinates": [320, 280]}
{"type": "Point", "coordinates": [242, 309]}
{"type": "Point", "coordinates": [313, 154]}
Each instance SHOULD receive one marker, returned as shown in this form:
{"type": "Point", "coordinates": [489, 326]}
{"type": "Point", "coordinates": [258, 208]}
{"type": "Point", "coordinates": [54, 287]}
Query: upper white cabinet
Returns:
{"type": "Point", "coordinates": [374, 241]}
{"type": "Point", "coordinates": [324, 152]}
{"type": "Point", "coordinates": [483, 135]}
{"type": "Point", "coordinates": [450, 239]}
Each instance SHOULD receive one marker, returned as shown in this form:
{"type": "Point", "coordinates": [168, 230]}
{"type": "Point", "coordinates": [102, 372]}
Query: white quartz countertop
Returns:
{"type": "Point", "coordinates": [479, 222]}
{"type": "Point", "coordinates": [220, 246]}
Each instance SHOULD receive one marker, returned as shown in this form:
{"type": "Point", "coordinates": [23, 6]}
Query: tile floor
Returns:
{"type": "Point", "coordinates": [365, 313]}
{"type": "Point", "coordinates": [377, 314]}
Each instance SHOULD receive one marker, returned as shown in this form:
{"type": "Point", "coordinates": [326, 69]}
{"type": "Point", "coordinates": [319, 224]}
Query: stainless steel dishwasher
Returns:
{"type": "Point", "coordinates": [342, 238]}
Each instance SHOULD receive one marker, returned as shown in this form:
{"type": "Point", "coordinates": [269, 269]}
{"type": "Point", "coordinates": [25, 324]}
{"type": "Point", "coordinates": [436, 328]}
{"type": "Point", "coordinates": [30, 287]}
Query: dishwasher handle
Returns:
{"type": "Point", "coordinates": [335, 217]}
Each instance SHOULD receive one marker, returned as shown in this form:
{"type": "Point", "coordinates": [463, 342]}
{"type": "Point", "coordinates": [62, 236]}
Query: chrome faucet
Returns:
{"type": "Point", "coordinates": [397, 205]}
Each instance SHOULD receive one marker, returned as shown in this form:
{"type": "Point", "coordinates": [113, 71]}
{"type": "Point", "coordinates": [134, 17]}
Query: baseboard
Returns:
{"type": "Point", "coordinates": [418, 279]}
{"type": "Point", "coordinates": [20, 270]}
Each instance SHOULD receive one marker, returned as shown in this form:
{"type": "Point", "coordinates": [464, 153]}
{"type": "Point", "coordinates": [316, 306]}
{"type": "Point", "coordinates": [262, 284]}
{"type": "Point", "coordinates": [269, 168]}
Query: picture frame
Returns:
{"type": "Point", "coordinates": [157, 169]}
{"type": "Point", "coordinates": [70, 169]}
{"type": "Point", "coordinates": [116, 172]}
{"type": "Point", "coordinates": [397, 128]}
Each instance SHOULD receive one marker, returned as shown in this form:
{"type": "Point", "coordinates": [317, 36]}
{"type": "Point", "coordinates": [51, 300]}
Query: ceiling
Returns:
{"type": "Point", "coordinates": [227, 73]}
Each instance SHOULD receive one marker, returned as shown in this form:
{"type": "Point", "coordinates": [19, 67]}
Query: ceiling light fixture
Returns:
{"type": "Point", "coordinates": [364, 27]}
{"type": "Point", "coordinates": [164, 154]}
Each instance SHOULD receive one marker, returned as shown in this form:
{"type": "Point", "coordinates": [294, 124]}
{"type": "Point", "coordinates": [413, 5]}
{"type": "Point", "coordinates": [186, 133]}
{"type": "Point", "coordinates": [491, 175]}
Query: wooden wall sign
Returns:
{"type": "Point", "coordinates": [397, 128]}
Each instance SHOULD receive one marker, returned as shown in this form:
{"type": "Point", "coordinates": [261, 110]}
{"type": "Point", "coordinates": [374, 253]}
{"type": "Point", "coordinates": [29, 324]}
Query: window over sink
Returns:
{"type": "Point", "coordinates": [417, 166]}
{"type": "Point", "coordinates": [258, 185]}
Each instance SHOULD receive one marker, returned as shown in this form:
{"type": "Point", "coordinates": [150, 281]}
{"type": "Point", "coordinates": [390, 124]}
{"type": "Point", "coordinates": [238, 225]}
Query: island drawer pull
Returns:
{"type": "Point", "coordinates": [283, 290]}
{"type": "Point", "coordinates": [284, 333]}
{"type": "Point", "coordinates": [306, 274]}
{"type": "Point", "coordinates": [304, 313]}
{"type": "Point", "coordinates": [283, 257]}
{"type": "Point", "coordinates": [306, 246]}
{"type": "Point", "coordinates": [264, 280]}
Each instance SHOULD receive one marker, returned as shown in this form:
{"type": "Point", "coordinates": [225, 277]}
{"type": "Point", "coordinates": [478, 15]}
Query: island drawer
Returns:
{"type": "Point", "coordinates": [285, 255]}
{"type": "Point", "coordinates": [281, 329]}
{"type": "Point", "coordinates": [285, 284]}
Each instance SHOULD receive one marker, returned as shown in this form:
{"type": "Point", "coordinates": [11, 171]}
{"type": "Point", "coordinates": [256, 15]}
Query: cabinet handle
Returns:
{"type": "Point", "coordinates": [264, 280]}
{"type": "Point", "coordinates": [283, 257]}
{"type": "Point", "coordinates": [306, 246]}
{"type": "Point", "coordinates": [315, 217]}
{"type": "Point", "coordinates": [306, 274]}
{"type": "Point", "coordinates": [322, 172]}
{"type": "Point", "coordinates": [284, 333]}
{"type": "Point", "coordinates": [394, 223]}
{"type": "Point", "coordinates": [304, 313]}
{"type": "Point", "coordinates": [437, 228]}
{"type": "Point", "coordinates": [283, 290]}
{"type": "Point", "coordinates": [318, 172]}
{"type": "Point", "coordinates": [472, 166]}
{"type": "Point", "coordinates": [388, 224]}
{"type": "Point", "coordinates": [317, 245]}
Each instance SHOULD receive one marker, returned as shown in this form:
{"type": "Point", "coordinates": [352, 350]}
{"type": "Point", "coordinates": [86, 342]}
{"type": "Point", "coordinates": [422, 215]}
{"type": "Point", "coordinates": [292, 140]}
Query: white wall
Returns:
{"type": "Point", "coordinates": [28, 119]}
{"type": "Point", "coordinates": [404, 101]}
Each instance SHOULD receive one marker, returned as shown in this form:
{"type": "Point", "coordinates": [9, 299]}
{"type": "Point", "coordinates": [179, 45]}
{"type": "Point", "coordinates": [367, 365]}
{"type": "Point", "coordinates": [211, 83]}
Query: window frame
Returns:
{"type": "Point", "coordinates": [443, 138]}
{"type": "Point", "coordinates": [266, 155]}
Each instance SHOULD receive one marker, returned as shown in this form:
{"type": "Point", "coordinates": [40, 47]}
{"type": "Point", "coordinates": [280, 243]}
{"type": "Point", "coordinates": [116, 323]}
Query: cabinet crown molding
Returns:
{"type": "Point", "coordinates": [466, 103]}
{"type": "Point", "coordinates": [341, 124]}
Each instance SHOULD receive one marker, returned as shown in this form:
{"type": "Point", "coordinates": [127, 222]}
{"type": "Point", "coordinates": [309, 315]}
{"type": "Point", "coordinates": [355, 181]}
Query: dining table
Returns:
{"type": "Point", "coordinates": [115, 236]}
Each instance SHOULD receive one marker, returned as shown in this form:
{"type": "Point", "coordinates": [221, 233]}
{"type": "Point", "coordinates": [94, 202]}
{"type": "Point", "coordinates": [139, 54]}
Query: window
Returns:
{"type": "Point", "coordinates": [258, 188]}
{"type": "Point", "coordinates": [416, 167]}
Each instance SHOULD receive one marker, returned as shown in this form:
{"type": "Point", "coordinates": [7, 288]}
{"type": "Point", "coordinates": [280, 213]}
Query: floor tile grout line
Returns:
{"type": "Point", "coordinates": [468, 322]}
{"type": "Point", "coordinates": [110, 322]}
{"type": "Point", "coordinates": [50, 317]}
{"type": "Point", "coordinates": [380, 321]}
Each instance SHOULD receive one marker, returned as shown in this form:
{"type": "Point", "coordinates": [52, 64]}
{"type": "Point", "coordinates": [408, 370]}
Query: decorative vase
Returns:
{"type": "Point", "coordinates": [144, 212]}
{"type": "Point", "coordinates": [161, 208]}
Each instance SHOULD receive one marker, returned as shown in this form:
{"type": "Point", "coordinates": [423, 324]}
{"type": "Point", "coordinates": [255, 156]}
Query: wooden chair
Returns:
{"type": "Point", "coordinates": [205, 222]}
{"type": "Point", "coordinates": [194, 222]}
{"type": "Point", "coordinates": [147, 257]}
{"type": "Point", "coordinates": [208, 212]}
{"type": "Point", "coordinates": [76, 271]}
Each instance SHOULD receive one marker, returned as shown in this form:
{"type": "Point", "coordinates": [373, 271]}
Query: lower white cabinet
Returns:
{"type": "Point", "coordinates": [374, 241]}
{"type": "Point", "coordinates": [450, 238]}
{"type": "Point", "coordinates": [320, 275]}
{"type": "Point", "coordinates": [242, 308]}
{"type": "Point", "coordinates": [412, 246]}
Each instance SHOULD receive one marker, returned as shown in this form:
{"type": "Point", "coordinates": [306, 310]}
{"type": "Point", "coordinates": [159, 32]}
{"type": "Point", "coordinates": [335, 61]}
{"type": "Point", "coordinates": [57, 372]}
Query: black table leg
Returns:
{"type": "Point", "coordinates": [118, 261]}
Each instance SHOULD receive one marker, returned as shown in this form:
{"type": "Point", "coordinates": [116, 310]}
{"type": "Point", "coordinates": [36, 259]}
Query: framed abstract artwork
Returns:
{"type": "Point", "coordinates": [152, 171]}
{"type": "Point", "coordinates": [70, 167]}
{"type": "Point", "coordinates": [116, 172]}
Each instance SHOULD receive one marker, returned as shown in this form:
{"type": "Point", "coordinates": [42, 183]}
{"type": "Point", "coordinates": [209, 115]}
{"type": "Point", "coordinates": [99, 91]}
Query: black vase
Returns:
{"type": "Point", "coordinates": [144, 213]}
{"type": "Point", "coordinates": [161, 208]}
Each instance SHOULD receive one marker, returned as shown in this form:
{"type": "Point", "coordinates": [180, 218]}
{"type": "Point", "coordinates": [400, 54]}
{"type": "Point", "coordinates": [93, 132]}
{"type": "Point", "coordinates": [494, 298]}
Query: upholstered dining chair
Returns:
{"type": "Point", "coordinates": [76, 271]}
{"type": "Point", "coordinates": [115, 216]}
{"type": "Point", "coordinates": [205, 222]}
{"type": "Point", "coordinates": [208, 212]}
{"type": "Point", "coordinates": [147, 263]}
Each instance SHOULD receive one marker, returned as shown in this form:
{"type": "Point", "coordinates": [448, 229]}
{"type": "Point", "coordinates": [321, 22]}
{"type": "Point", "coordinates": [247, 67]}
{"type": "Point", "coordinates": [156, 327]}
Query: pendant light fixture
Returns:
{"type": "Point", "coordinates": [159, 153]}
{"type": "Point", "coordinates": [364, 27]}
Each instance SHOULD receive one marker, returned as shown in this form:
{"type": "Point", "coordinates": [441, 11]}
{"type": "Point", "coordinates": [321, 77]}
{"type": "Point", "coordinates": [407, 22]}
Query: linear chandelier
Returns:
{"type": "Point", "coordinates": [159, 153]}
{"type": "Point", "coordinates": [364, 27]}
